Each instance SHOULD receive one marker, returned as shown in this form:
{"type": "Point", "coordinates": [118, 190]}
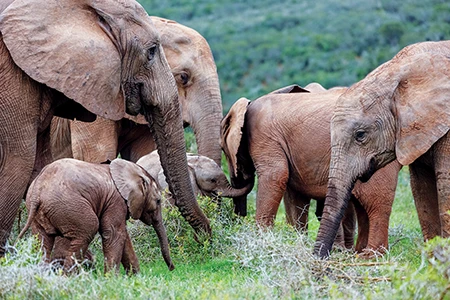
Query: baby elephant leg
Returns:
{"type": "Point", "coordinates": [61, 249]}
{"type": "Point", "coordinates": [47, 240]}
{"type": "Point", "coordinates": [113, 241]}
{"type": "Point", "coordinates": [129, 259]}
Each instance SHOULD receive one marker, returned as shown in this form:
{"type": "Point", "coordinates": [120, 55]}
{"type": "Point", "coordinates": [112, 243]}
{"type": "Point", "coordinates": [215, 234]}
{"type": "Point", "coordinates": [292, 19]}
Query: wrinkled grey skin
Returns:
{"type": "Point", "coordinates": [193, 67]}
{"type": "Point", "coordinates": [206, 176]}
{"type": "Point", "coordinates": [72, 200]}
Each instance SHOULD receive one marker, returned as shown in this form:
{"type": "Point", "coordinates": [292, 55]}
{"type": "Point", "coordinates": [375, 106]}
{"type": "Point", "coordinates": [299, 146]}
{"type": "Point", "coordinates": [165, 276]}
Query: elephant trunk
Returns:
{"type": "Point", "coordinates": [160, 229]}
{"type": "Point", "coordinates": [205, 120]}
{"type": "Point", "coordinates": [231, 192]}
{"type": "Point", "coordinates": [340, 186]}
{"type": "Point", "coordinates": [164, 116]}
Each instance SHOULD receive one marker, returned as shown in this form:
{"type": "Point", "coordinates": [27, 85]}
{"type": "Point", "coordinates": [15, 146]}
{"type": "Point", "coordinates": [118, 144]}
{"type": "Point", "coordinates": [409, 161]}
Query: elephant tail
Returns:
{"type": "Point", "coordinates": [34, 200]}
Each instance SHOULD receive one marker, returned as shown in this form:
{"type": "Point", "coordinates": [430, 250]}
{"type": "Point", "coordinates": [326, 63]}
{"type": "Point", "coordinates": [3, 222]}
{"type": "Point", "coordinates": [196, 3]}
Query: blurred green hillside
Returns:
{"type": "Point", "coordinates": [262, 45]}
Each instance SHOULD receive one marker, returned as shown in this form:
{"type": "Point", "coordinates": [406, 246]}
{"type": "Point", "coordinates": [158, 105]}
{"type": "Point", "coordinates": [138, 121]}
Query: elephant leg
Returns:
{"type": "Point", "coordinates": [15, 173]}
{"type": "Point", "coordinates": [423, 186]}
{"type": "Point", "coordinates": [114, 236]}
{"type": "Point", "coordinates": [47, 240]}
{"type": "Point", "coordinates": [130, 261]}
{"type": "Point", "coordinates": [75, 251]}
{"type": "Point", "coordinates": [442, 174]}
{"type": "Point", "coordinates": [272, 181]}
{"type": "Point", "coordinates": [61, 248]}
{"type": "Point", "coordinates": [319, 209]}
{"type": "Point", "coordinates": [135, 142]}
{"type": "Point", "coordinates": [349, 225]}
{"type": "Point", "coordinates": [43, 153]}
{"type": "Point", "coordinates": [297, 209]}
{"type": "Point", "coordinates": [363, 227]}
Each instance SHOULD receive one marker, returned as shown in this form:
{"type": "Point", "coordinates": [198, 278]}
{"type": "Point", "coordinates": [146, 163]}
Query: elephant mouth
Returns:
{"type": "Point", "coordinates": [133, 96]}
{"type": "Point", "coordinates": [369, 171]}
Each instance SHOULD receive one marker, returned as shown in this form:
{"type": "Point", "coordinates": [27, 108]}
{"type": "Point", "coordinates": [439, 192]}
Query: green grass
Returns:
{"type": "Point", "coordinates": [242, 261]}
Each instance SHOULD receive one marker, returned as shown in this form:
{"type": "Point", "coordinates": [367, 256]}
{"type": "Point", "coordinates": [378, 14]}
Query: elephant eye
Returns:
{"type": "Point", "coordinates": [213, 180]}
{"type": "Point", "coordinates": [360, 135]}
{"type": "Point", "coordinates": [151, 53]}
{"type": "Point", "coordinates": [158, 201]}
{"type": "Point", "coordinates": [183, 78]}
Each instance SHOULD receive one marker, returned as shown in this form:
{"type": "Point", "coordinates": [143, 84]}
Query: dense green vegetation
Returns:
{"type": "Point", "coordinates": [262, 45]}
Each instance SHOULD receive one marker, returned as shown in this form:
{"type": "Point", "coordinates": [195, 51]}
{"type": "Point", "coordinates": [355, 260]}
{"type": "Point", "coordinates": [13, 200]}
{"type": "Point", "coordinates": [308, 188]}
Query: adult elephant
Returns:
{"type": "Point", "coordinates": [400, 110]}
{"type": "Point", "coordinates": [194, 69]}
{"type": "Point", "coordinates": [285, 138]}
{"type": "Point", "coordinates": [50, 65]}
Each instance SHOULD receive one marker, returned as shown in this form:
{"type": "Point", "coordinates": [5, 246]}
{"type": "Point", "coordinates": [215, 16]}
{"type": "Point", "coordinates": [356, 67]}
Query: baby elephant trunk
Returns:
{"type": "Point", "coordinates": [163, 242]}
{"type": "Point", "coordinates": [231, 192]}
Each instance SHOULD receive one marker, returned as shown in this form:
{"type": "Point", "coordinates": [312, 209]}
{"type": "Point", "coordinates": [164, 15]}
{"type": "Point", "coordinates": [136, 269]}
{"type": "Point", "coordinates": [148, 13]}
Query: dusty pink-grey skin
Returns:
{"type": "Point", "coordinates": [195, 73]}
{"type": "Point", "coordinates": [72, 200]}
{"type": "Point", "coordinates": [207, 178]}
{"type": "Point", "coordinates": [399, 111]}
{"type": "Point", "coordinates": [49, 53]}
{"type": "Point", "coordinates": [285, 138]}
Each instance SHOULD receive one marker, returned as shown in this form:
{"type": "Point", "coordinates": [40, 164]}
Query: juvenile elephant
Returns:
{"type": "Point", "coordinates": [195, 73]}
{"type": "Point", "coordinates": [207, 178]}
{"type": "Point", "coordinates": [285, 137]}
{"type": "Point", "coordinates": [72, 200]}
{"type": "Point", "coordinates": [401, 110]}
{"type": "Point", "coordinates": [73, 58]}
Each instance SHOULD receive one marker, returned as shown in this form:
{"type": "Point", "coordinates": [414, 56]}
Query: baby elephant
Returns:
{"type": "Point", "coordinates": [72, 200]}
{"type": "Point", "coordinates": [207, 178]}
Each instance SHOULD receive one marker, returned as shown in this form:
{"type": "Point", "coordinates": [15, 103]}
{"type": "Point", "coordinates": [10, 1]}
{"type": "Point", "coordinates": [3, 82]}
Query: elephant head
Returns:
{"type": "Point", "coordinates": [210, 178]}
{"type": "Point", "coordinates": [206, 177]}
{"type": "Point", "coordinates": [397, 111]}
{"type": "Point", "coordinates": [195, 72]}
{"type": "Point", "coordinates": [107, 56]}
{"type": "Point", "coordinates": [143, 198]}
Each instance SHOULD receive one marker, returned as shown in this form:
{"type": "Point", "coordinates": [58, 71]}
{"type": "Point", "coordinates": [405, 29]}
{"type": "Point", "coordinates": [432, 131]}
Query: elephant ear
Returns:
{"type": "Point", "coordinates": [69, 46]}
{"type": "Point", "coordinates": [422, 103]}
{"type": "Point", "coordinates": [133, 184]}
{"type": "Point", "coordinates": [290, 89]}
{"type": "Point", "coordinates": [231, 131]}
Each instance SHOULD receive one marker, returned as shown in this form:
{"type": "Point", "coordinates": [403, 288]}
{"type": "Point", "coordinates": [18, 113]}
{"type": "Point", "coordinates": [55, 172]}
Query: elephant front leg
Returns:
{"type": "Point", "coordinates": [129, 259]}
{"type": "Point", "coordinates": [15, 172]}
{"type": "Point", "coordinates": [442, 173]}
{"type": "Point", "coordinates": [113, 242]}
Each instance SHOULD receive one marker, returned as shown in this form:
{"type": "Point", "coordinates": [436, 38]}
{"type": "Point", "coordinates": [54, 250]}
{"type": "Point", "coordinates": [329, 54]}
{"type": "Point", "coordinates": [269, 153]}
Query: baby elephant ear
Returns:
{"type": "Point", "coordinates": [132, 182]}
{"type": "Point", "coordinates": [231, 131]}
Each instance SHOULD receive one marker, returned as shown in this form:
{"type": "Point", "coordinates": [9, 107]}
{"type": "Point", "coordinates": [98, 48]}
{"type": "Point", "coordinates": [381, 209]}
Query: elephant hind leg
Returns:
{"type": "Point", "coordinates": [297, 209]}
{"type": "Point", "coordinates": [47, 240]}
{"type": "Point", "coordinates": [272, 182]}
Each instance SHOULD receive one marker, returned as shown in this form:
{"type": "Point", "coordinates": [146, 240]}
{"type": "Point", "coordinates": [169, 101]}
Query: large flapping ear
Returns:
{"type": "Point", "coordinates": [290, 89]}
{"type": "Point", "coordinates": [231, 131]}
{"type": "Point", "coordinates": [422, 103]}
{"type": "Point", "coordinates": [132, 182]}
{"type": "Point", "coordinates": [67, 45]}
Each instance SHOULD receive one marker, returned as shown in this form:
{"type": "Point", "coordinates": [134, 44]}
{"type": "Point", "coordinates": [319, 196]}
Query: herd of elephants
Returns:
{"type": "Point", "coordinates": [84, 81]}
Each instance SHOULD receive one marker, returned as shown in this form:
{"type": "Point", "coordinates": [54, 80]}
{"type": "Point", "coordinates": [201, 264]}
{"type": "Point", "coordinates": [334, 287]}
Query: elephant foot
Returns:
{"type": "Point", "coordinates": [371, 253]}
